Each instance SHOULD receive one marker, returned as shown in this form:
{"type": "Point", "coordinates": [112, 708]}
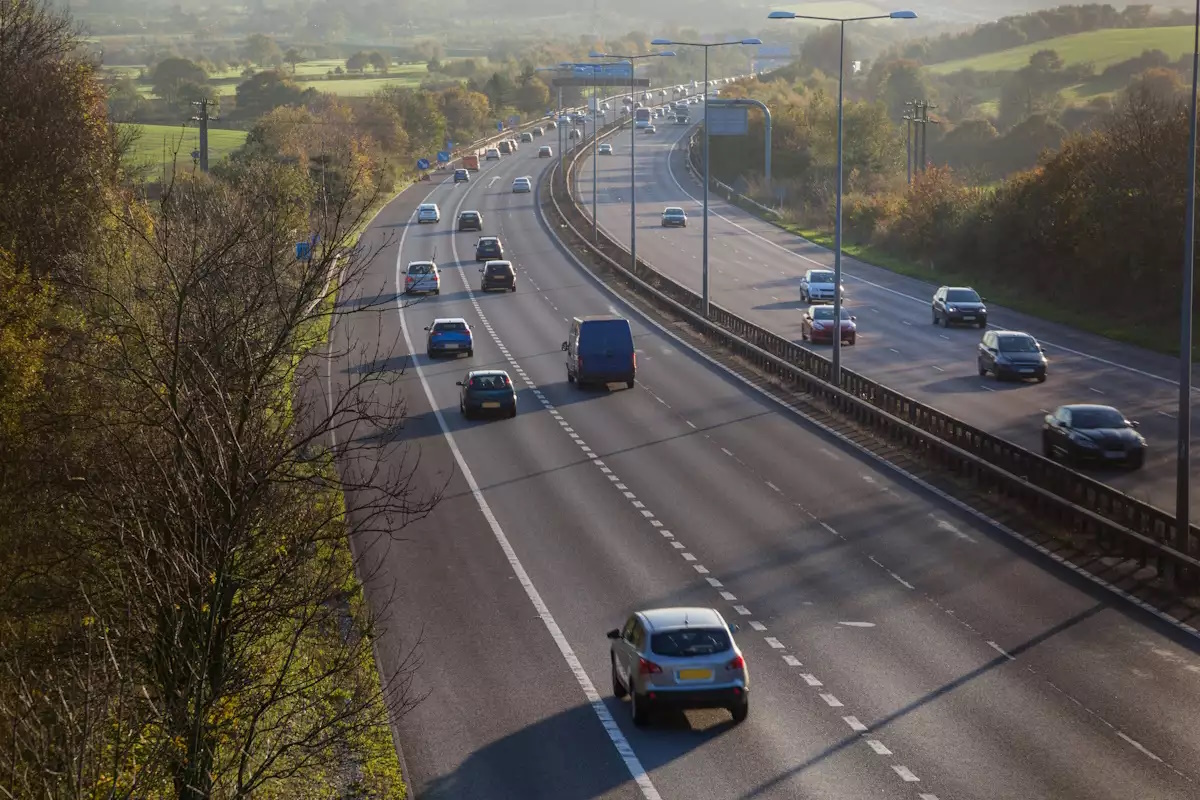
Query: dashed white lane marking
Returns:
{"type": "Point", "coordinates": [878, 747]}
{"type": "Point", "coordinates": [1139, 746]}
{"type": "Point", "coordinates": [620, 743]}
{"type": "Point", "coordinates": [758, 626]}
{"type": "Point", "coordinates": [939, 369]}
{"type": "Point", "coordinates": [854, 724]}
{"type": "Point", "coordinates": [1094, 389]}
{"type": "Point", "coordinates": [924, 796]}
{"type": "Point", "coordinates": [726, 452]}
{"type": "Point", "coordinates": [792, 661]}
{"type": "Point", "coordinates": [905, 773]}
{"type": "Point", "coordinates": [831, 701]}
{"type": "Point", "coordinates": [811, 680]}
{"type": "Point", "coordinates": [1001, 651]}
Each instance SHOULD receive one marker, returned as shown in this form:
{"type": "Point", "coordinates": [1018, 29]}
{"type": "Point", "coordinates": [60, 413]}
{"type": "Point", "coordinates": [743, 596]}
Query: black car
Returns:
{"type": "Point", "coordinates": [470, 221]}
{"type": "Point", "coordinates": [1082, 433]}
{"type": "Point", "coordinates": [489, 248]}
{"type": "Point", "coordinates": [498, 275]}
{"type": "Point", "coordinates": [953, 305]}
{"type": "Point", "coordinates": [1012, 354]}
{"type": "Point", "coordinates": [487, 391]}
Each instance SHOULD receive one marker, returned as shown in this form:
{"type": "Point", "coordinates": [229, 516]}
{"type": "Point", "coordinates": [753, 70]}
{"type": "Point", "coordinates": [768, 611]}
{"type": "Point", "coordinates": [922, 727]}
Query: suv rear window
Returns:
{"type": "Point", "coordinates": [690, 642]}
{"type": "Point", "coordinates": [444, 327]}
{"type": "Point", "coordinates": [420, 269]}
{"type": "Point", "coordinates": [497, 269]}
{"type": "Point", "coordinates": [468, 215]}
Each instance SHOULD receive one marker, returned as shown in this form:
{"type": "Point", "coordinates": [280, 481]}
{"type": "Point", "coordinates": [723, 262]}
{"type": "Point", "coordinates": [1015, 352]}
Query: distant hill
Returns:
{"type": "Point", "coordinates": [1103, 48]}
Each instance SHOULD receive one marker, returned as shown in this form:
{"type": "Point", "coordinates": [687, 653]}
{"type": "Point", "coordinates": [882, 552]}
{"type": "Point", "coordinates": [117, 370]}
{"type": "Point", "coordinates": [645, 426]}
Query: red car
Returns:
{"type": "Point", "coordinates": [817, 325]}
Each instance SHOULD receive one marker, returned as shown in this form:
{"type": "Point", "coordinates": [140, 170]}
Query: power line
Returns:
{"type": "Point", "coordinates": [204, 118]}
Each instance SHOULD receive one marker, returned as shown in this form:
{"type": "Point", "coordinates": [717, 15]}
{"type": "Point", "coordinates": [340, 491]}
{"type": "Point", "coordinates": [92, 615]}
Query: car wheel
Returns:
{"type": "Point", "coordinates": [935, 319]}
{"type": "Point", "coordinates": [740, 711]}
{"type": "Point", "coordinates": [619, 691]}
{"type": "Point", "coordinates": [570, 377]}
{"type": "Point", "coordinates": [471, 353]}
{"type": "Point", "coordinates": [1041, 378]}
{"type": "Point", "coordinates": [630, 384]}
{"type": "Point", "coordinates": [1137, 461]}
{"type": "Point", "coordinates": [514, 288]}
{"type": "Point", "coordinates": [803, 335]}
{"type": "Point", "coordinates": [640, 710]}
{"type": "Point", "coordinates": [429, 354]}
{"type": "Point", "coordinates": [466, 413]}
{"type": "Point", "coordinates": [852, 340]}
{"type": "Point", "coordinates": [1047, 448]}
{"type": "Point", "coordinates": [982, 369]}
{"type": "Point", "coordinates": [982, 324]}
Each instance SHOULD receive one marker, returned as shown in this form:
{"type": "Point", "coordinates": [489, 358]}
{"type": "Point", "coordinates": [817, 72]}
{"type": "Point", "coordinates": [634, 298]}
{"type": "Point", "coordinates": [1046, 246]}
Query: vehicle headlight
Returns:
{"type": "Point", "coordinates": [951, 309]}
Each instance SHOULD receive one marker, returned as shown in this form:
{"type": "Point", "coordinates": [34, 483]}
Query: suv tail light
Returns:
{"type": "Point", "coordinates": [737, 663]}
{"type": "Point", "coordinates": [648, 667]}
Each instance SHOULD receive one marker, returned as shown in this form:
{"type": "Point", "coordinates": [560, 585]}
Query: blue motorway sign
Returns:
{"type": "Point", "coordinates": [603, 71]}
{"type": "Point", "coordinates": [449, 145]}
{"type": "Point", "coordinates": [499, 126]}
{"type": "Point", "coordinates": [302, 250]}
{"type": "Point", "coordinates": [422, 163]}
{"type": "Point", "coordinates": [443, 157]}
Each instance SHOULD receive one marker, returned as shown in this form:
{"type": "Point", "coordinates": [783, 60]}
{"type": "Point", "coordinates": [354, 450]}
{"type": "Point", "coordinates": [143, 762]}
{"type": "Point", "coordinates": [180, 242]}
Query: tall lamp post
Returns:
{"type": "Point", "coordinates": [1183, 464]}
{"type": "Point", "coordinates": [704, 236]}
{"type": "Point", "coordinates": [632, 60]}
{"type": "Point", "coordinates": [836, 373]}
{"type": "Point", "coordinates": [594, 102]}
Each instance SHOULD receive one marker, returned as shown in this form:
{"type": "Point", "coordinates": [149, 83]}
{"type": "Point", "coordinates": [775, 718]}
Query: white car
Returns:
{"type": "Point", "coordinates": [817, 287]}
{"type": "Point", "coordinates": [422, 277]}
{"type": "Point", "coordinates": [522, 185]}
{"type": "Point", "coordinates": [649, 129]}
{"type": "Point", "coordinates": [492, 154]}
{"type": "Point", "coordinates": [606, 150]}
{"type": "Point", "coordinates": [428, 212]}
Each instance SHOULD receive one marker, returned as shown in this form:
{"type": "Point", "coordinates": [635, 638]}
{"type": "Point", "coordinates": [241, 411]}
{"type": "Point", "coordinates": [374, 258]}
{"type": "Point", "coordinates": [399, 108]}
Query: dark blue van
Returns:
{"type": "Point", "coordinates": [600, 350]}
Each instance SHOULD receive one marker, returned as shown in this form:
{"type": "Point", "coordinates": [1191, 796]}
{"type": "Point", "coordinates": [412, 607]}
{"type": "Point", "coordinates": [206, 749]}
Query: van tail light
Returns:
{"type": "Point", "coordinates": [635, 360]}
{"type": "Point", "coordinates": [648, 667]}
{"type": "Point", "coordinates": [579, 364]}
{"type": "Point", "coordinates": [737, 663]}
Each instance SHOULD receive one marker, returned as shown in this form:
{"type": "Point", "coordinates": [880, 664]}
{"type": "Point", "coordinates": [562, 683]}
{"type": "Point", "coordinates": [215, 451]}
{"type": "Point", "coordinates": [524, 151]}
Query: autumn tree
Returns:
{"type": "Point", "coordinates": [262, 50]}
{"type": "Point", "coordinates": [170, 74]}
{"type": "Point", "coordinates": [358, 62]}
{"type": "Point", "coordinates": [378, 61]}
{"type": "Point", "coordinates": [466, 112]}
{"type": "Point", "coordinates": [292, 57]}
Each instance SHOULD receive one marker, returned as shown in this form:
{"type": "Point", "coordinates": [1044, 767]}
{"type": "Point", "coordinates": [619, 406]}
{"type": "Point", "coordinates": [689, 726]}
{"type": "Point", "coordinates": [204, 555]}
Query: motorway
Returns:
{"type": "Point", "coordinates": [897, 647]}
{"type": "Point", "coordinates": [755, 272]}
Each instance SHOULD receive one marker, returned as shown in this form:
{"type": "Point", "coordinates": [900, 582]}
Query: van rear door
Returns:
{"type": "Point", "coordinates": [607, 349]}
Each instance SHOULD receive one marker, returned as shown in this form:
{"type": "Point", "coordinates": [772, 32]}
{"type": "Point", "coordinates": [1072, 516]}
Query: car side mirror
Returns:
{"type": "Point", "coordinates": [564, 346]}
{"type": "Point", "coordinates": [734, 627]}
{"type": "Point", "coordinates": [481, 270]}
{"type": "Point", "coordinates": [613, 634]}
{"type": "Point", "coordinates": [853, 318]}
{"type": "Point", "coordinates": [426, 327]}
{"type": "Point", "coordinates": [458, 383]}
{"type": "Point", "coordinates": [1050, 420]}
{"type": "Point", "coordinates": [1133, 423]}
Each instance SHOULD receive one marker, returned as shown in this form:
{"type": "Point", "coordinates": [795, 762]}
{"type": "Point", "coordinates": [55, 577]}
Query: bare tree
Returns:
{"type": "Point", "coordinates": [226, 647]}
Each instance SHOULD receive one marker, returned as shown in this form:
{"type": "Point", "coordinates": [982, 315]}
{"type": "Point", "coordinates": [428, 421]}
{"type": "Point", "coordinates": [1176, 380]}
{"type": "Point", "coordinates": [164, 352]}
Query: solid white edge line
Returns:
{"type": "Point", "coordinates": [623, 748]}
{"type": "Point", "coordinates": [897, 292]}
{"type": "Point", "coordinates": [853, 445]}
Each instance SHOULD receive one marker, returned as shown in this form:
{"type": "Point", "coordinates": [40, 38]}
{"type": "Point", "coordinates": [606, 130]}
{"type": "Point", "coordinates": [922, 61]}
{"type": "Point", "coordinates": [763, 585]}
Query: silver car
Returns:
{"type": "Point", "coordinates": [817, 287]}
{"type": "Point", "coordinates": [680, 658]}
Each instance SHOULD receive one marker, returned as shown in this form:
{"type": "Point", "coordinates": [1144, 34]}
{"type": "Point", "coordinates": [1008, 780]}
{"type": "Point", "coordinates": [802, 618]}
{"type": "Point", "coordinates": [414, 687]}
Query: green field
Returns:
{"type": "Point", "coordinates": [311, 74]}
{"type": "Point", "coordinates": [832, 8]}
{"type": "Point", "coordinates": [156, 147]}
{"type": "Point", "coordinates": [1102, 48]}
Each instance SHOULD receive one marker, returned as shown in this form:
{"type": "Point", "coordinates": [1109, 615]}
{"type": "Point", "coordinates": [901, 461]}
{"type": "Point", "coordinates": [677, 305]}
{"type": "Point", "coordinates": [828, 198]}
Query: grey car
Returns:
{"type": "Point", "coordinates": [679, 658]}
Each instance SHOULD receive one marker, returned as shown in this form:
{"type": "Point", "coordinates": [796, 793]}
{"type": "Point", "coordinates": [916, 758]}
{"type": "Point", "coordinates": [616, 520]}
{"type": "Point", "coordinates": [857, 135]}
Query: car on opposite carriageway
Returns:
{"type": "Point", "coordinates": [952, 305]}
{"type": "Point", "coordinates": [1085, 433]}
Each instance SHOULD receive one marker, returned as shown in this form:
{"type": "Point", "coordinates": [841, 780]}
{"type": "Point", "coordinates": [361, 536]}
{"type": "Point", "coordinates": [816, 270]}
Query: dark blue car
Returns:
{"type": "Point", "coordinates": [487, 391]}
{"type": "Point", "coordinates": [451, 335]}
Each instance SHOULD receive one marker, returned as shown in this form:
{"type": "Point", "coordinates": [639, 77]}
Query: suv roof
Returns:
{"type": "Point", "coordinates": [497, 262]}
{"type": "Point", "coordinates": [427, 206]}
{"type": "Point", "coordinates": [483, 239]}
{"type": "Point", "coordinates": [469, 214]}
{"type": "Point", "coordinates": [664, 619]}
{"type": "Point", "coordinates": [412, 264]}
{"type": "Point", "coordinates": [440, 320]}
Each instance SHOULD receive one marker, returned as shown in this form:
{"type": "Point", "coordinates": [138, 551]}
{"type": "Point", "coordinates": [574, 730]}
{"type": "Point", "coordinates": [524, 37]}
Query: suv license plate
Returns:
{"type": "Point", "coordinates": [450, 346]}
{"type": "Point", "coordinates": [491, 405]}
{"type": "Point", "coordinates": [1114, 453]}
{"type": "Point", "coordinates": [969, 318]}
{"type": "Point", "coordinates": [1026, 369]}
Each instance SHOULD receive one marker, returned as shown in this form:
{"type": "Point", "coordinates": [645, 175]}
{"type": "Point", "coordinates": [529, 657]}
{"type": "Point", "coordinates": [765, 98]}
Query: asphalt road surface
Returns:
{"type": "Point", "coordinates": [897, 647]}
{"type": "Point", "coordinates": [755, 270]}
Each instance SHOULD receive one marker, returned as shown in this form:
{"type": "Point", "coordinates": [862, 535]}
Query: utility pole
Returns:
{"type": "Point", "coordinates": [917, 146]}
{"type": "Point", "coordinates": [204, 118]}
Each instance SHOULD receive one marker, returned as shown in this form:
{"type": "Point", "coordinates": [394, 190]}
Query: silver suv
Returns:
{"type": "Point", "coordinates": [681, 658]}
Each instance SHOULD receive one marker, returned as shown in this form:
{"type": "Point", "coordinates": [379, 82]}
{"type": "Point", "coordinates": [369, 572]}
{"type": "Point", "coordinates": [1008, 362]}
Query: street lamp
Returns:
{"type": "Point", "coordinates": [836, 372]}
{"type": "Point", "coordinates": [595, 104]}
{"type": "Point", "coordinates": [1183, 461]}
{"type": "Point", "coordinates": [632, 138]}
{"type": "Point", "coordinates": [704, 235]}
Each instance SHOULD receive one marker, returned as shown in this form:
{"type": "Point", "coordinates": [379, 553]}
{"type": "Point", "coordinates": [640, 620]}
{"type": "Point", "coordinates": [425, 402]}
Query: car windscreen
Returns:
{"type": "Point", "coordinates": [962, 296]}
{"type": "Point", "coordinates": [690, 642]}
{"type": "Point", "coordinates": [1084, 418]}
{"type": "Point", "coordinates": [605, 335]}
{"type": "Point", "coordinates": [489, 382]}
{"type": "Point", "coordinates": [450, 327]}
{"type": "Point", "coordinates": [821, 277]}
{"type": "Point", "coordinates": [1017, 344]}
{"type": "Point", "coordinates": [673, 212]}
{"type": "Point", "coordinates": [826, 313]}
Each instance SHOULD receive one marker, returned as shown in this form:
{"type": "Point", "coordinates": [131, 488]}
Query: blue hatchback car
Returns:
{"type": "Point", "coordinates": [449, 335]}
{"type": "Point", "coordinates": [487, 391]}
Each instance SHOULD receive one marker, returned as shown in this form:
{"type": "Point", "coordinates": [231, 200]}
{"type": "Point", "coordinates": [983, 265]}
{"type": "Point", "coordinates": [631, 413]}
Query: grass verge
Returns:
{"type": "Point", "coordinates": [155, 150]}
